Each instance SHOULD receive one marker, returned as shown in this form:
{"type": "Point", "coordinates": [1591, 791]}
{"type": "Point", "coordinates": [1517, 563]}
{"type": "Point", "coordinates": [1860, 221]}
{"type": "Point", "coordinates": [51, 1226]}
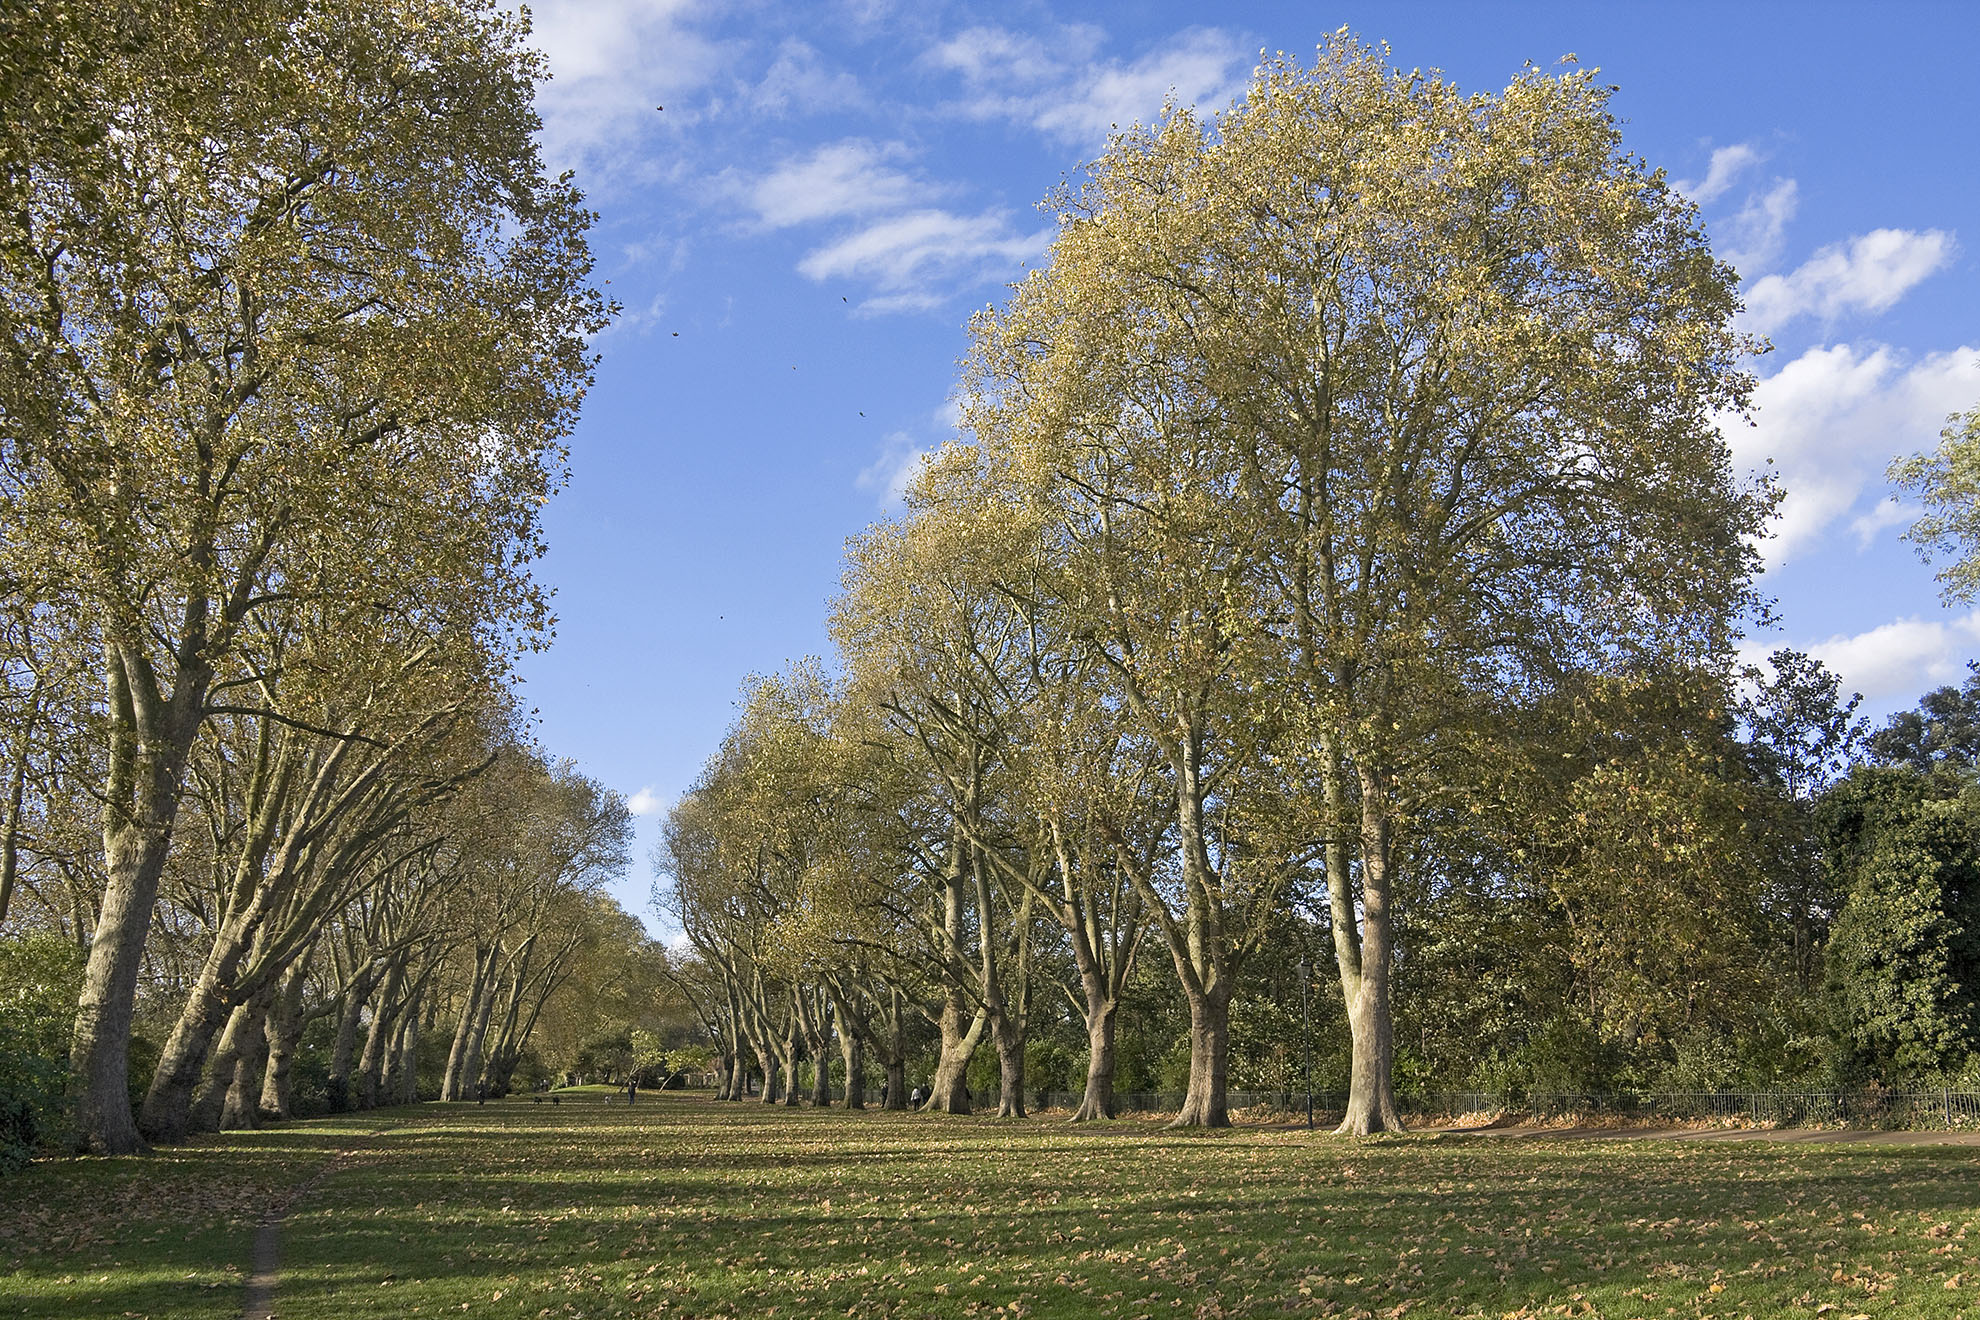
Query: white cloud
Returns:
{"type": "Point", "coordinates": [646, 802]}
{"type": "Point", "coordinates": [1728, 163]}
{"type": "Point", "coordinates": [1060, 89]}
{"type": "Point", "coordinates": [799, 82]}
{"type": "Point", "coordinates": [1867, 274]}
{"type": "Point", "coordinates": [1899, 660]}
{"type": "Point", "coordinates": [847, 178]}
{"type": "Point", "coordinates": [1833, 418]}
{"type": "Point", "coordinates": [983, 55]}
{"type": "Point", "coordinates": [914, 258]}
{"type": "Point", "coordinates": [1751, 239]}
{"type": "Point", "coordinates": [612, 62]}
{"type": "Point", "coordinates": [900, 459]}
{"type": "Point", "coordinates": [1888, 512]}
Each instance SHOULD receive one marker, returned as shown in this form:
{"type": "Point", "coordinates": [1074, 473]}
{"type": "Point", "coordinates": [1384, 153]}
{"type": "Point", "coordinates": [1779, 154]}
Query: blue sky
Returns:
{"type": "Point", "coordinates": [831, 188]}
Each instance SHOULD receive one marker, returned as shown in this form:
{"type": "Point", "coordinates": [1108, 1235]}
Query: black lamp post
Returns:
{"type": "Point", "coordinates": [1306, 1035]}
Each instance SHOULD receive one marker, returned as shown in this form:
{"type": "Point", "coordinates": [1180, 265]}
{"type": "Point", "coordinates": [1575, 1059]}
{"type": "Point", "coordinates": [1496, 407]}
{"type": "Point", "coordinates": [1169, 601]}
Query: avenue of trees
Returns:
{"type": "Point", "coordinates": [1340, 564]}
{"type": "Point", "coordinates": [295, 327]}
{"type": "Point", "coordinates": [1335, 595]}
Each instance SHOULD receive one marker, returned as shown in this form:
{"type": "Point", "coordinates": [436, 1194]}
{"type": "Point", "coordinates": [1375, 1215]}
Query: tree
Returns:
{"type": "Point", "coordinates": [1801, 735]}
{"type": "Point", "coordinates": [1904, 956]}
{"type": "Point", "coordinates": [1947, 482]}
{"type": "Point", "coordinates": [1376, 402]}
{"type": "Point", "coordinates": [291, 312]}
{"type": "Point", "coordinates": [1943, 730]}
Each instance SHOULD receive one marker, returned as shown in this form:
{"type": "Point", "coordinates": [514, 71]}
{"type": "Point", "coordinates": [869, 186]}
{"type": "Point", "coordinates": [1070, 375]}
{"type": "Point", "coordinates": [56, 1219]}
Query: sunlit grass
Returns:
{"type": "Point", "coordinates": [679, 1206]}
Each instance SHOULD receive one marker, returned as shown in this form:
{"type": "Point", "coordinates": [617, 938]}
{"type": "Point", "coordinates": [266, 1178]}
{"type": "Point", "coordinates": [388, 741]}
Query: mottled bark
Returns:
{"type": "Point", "coordinates": [478, 1033]}
{"type": "Point", "coordinates": [817, 1021]}
{"type": "Point", "coordinates": [240, 1108]}
{"type": "Point", "coordinates": [1010, 1072]}
{"type": "Point", "coordinates": [166, 1114]}
{"type": "Point", "coordinates": [343, 1049]}
{"type": "Point", "coordinates": [457, 1054]}
{"type": "Point", "coordinates": [1371, 1103]}
{"type": "Point", "coordinates": [1209, 1060]}
{"type": "Point", "coordinates": [149, 737]}
{"type": "Point", "coordinates": [284, 1032]}
{"type": "Point", "coordinates": [790, 1060]}
{"type": "Point", "coordinates": [377, 1040]}
{"type": "Point", "coordinates": [949, 1091]}
{"type": "Point", "coordinates": [852, 1054]}
{"type": "Point", "coordinates": [405, 1090]}
{"type": "Point", "coordinates": [1098, 1101]}
{"type": "Point", "coordinates": [211, 1099]}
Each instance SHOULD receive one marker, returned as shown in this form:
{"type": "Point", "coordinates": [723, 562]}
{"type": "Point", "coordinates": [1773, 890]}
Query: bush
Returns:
{"type": "Point", "coordinates": [40, 980]}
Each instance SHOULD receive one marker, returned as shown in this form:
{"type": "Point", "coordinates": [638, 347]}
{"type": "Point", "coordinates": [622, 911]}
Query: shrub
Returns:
{"type": "Point", "coordinates": [40, 979]}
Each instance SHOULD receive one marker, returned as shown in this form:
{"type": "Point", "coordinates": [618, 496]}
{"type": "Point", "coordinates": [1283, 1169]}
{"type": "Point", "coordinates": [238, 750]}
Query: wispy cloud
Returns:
{"type": "Point", "coordinates": [1869, 273]}
{"type": "Point", "coordinates": [646, 802]}
{"type": "Point", "coordinates": [851, 177]}
{"type": "Point", "coordinates": [800, 82]}
{"type": "Point", "coordinates": [889, 474]}
{"type": "Point", "coordinates": [1834, 417]}
{"type": "Point", "coordinates": [1060, 87]}
{"type": "Point", "coordinates": [1750, 240]}
{"type": "Point", "coordinates": [1886, 513]}
{"type": "Point", "coordinates": [913, 255]}
{"type": "Point", "coordinates": [1727, 164]}
{"type": "Point", "coordinates": [918, 259]}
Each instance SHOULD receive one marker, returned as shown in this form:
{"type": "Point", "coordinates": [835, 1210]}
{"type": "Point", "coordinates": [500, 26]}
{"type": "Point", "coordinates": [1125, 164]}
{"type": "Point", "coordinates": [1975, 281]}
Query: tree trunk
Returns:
{"type": "Point", "coordinates": [471, 1063]}
{"type": "Point", "coordinates": [450, 1085]}
{"type": "Point", "coordinates": [893, 1046]}
{"type": "Point", "coordinates": [284, 1031]}
{"type": "Point", "coordinates": [243, 1097]}
{"type": "Point", "coordinates": [1371, 1080]}
{"type": "Point", "coordinates": [818, 1039]}
{"type": "Point", "coordinates": [405, 1089]}
{"type": "Point", "coordinates": [725, 1075]}
{"type": "Point", "coordinates": [790, 1061]}
{"type": "Point", "coordinates": [166, 1115]}
{"type": "Point", "coordinates": [149, 739]}
{"type": "Point", "coordinates": [10, 833]}
{"type": "Point", "coordinates": [384, 1023]}
{"type": "Point", "coordinates": [344, 1047]}
{"type": "Point", "coordinates": [768, 1068]}
{"type": "Point", "coordinates": [949, 1092]}
{"type": "Point", "coordinates": [1010, 1069]}
{"type": "Point", "coordinates": [1209, 1055]}
{"type": "Point", "coordinates": [852, 1053]}
{"type": "Point", "coordinates": [211, 1101]}
{"type": "Point", "coordinates": [1098, 1102]}
{"type": "Point", "coordinates": [821, 1076]}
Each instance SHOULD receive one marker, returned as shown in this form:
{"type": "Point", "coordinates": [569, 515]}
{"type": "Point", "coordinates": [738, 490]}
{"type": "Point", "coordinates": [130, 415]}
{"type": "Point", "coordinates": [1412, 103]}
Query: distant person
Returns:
{"type": "Point", "coordinates": [632, 1090]}
{"type": "Point", "coordinates": [916, 1096]}
{"type": "Point", "coordinates": [883, 1095]}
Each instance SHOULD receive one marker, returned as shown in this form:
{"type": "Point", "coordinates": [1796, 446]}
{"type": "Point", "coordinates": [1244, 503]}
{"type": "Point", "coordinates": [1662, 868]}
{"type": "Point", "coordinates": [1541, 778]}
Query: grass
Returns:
{"type": "Point", "coordinates": [681, 1207]}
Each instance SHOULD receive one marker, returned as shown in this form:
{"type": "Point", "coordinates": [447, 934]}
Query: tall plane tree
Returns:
{"type": "Point", "coordinates": [285, 289]}
{"type": "Point", "coordinates": [1368, 403]}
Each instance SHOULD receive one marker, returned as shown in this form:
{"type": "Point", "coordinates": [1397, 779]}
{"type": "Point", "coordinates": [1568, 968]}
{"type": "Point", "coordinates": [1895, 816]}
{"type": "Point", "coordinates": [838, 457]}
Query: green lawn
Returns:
{"type": "Point", "coordinates": [681, 1207]}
